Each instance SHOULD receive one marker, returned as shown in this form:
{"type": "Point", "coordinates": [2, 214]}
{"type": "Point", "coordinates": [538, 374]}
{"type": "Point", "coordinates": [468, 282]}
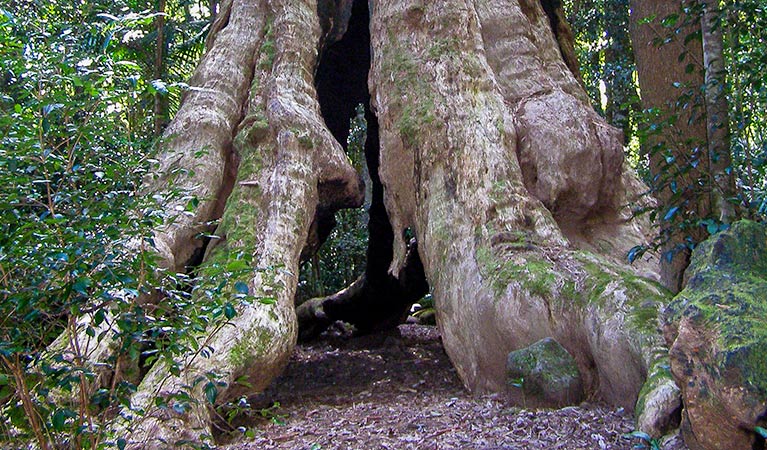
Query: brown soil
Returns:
{"type": "Point", "coordinates": [399, 391]}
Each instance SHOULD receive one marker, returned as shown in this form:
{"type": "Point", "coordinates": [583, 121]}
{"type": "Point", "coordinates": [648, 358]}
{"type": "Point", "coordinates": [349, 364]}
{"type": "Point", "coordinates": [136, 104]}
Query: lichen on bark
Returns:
{"type": "Point", "coordinates": [511, 263]}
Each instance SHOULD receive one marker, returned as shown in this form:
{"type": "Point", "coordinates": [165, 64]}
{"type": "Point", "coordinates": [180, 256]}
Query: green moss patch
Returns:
{"type": "Point", "coordinates": [250, 347]}
{"type": "Point", "coordinates": [727, 296]}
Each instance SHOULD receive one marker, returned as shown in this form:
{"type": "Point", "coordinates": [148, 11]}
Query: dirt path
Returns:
{"type": "Point", "coordinates": [400, 392]}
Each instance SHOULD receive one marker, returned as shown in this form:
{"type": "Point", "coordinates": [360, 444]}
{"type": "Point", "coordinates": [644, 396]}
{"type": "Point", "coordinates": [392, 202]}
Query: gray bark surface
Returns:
{"type": "Point", "coordinates": [491, 154]}
{"type": "Point", "coordinates": [286, 155]}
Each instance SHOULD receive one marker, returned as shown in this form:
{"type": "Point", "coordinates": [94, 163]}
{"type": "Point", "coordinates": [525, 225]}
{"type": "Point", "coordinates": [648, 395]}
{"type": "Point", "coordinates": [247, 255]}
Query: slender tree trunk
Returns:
{"type": "Point", "coordinates": [160, 99]}
{"type": "Point", "coordinates": [717, 112]}
{"type": "Point", "coordinates": [677, 151]}
{"type": "Point", "coordinates": [619, 67]}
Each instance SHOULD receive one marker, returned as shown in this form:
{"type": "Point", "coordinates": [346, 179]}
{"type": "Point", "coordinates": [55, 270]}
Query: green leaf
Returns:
{"type": "Point", "coordinates": [670, 213]}
{"type": "Point", "coordinates": [192, 204]}
{"type": "Point", "coordinates": [241, 287]}
{"type": "Point", "coordinates": [81, 286]}
{"type": "Point", "coordinates": [121, 443]}
{"type": "Point", "coordinates": [648, 19]}
{"type": "Point", "coordinates": [211, 392]}
{"type": "Point", "coordinates": [712, 227]}
{"type": "Point", "coordinates": [761, 432]}
{"type": "Point", "coordinates": [99, 317]}
{"type": "Point", "coordinates": [267, 300]}
{"type": "Point", "coordinates": [49, 108]}
{"type": "Point", "coordinates": [236, 265]}
{"type": "Point", "coordinates": [670, 20]}
{"type": "Point", "coordinates": [229, 311]}
{"type": "Point", "coordinates": [179, 408]}
{"type": "Point", "coordinates": [7, 15]}
{"type": "Point", "coordinates": [160, 86]}
{"type": "Point", "coordinates": [59, 419]}
{"type": "Point", "coordinates": [636, 252]}
{"type": "Point", "coordinates": [243, 380]}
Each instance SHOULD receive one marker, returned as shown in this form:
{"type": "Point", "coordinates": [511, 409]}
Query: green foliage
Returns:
{"type": "Point", "coordinates": [69, 167]}
{"type": "Point", "coordinates": [75, 143]}
{"type": "Point", "coordinates": [685, 168]}
{"type": "Point", "coordinates": [606, 58]}
{"type": "Point", "coordinates": [342, 257]}
{"type": "Point", "coordinates": [745, 25]}
{"type": "Point", "coordinates": [682, 169]}
{"type": "Point", "coordinates": [646, 441]}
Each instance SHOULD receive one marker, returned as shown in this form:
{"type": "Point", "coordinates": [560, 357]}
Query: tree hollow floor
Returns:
{"type": "Point", "coordinates": [399, 391]}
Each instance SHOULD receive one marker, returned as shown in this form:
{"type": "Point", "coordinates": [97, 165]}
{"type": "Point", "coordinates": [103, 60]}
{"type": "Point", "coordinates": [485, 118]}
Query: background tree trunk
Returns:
{"type": "Point", "coordinates": [717, 112]}
{"type": "Point", "coordinates": [619, 67]}
{"type": "Point", "coordinates": [160, 99]}
{"type": "Point", "coordinates": [677, 152]}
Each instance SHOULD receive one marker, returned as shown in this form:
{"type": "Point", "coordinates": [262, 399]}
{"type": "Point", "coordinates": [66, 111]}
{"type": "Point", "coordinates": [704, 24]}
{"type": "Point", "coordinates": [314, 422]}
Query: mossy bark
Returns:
{"type": "Point", "coordinates": [717, 330]}
{"type": "Point", "coordinates": [509, 197]}
{"type": "Point", "coordinates": [285, 157]}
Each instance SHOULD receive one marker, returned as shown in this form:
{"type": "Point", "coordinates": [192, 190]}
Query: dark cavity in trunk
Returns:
{"type": "Point", "coordinates": [377, 300]}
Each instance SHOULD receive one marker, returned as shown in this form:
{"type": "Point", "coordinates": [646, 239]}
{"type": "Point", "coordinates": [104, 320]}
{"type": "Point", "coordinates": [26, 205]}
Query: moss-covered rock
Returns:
{"type": "Point", "coordinates": [546, 373]}
{"type": "Point", "coordinates": [717, 331]}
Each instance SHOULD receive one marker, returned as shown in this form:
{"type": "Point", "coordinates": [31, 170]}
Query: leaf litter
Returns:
{"type": "Point", "coordinates": [398, 390]}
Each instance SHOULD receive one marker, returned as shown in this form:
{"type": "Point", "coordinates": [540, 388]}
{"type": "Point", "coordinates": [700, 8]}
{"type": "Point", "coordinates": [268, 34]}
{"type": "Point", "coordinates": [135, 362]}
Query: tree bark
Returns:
{"type": "Point", "coordinates": [717, 112]}
{"type": "Point", "coordinates": [286, 157]}
{"type": "Point", "coordinates": [563, 34]}
{"type": "Point", "coordinates": [513, 187]}
{"type": "Point", "coordinates": [678, 151]}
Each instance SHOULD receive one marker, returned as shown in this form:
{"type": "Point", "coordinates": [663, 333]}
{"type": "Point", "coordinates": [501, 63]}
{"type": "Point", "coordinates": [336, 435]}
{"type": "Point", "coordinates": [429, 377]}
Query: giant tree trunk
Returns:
{"type": "Point", "coordinates": [514, 188]}
{"type": "Point", "coordinates": [490, 156]}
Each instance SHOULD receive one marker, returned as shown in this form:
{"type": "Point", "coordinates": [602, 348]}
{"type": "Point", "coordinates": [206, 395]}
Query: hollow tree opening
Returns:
{"type": "Point", "coordinates": [377, 299]}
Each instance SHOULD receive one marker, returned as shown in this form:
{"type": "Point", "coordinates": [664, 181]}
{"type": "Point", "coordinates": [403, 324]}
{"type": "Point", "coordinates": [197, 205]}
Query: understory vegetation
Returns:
{"type": "Point", "coordinates": [609, 73]}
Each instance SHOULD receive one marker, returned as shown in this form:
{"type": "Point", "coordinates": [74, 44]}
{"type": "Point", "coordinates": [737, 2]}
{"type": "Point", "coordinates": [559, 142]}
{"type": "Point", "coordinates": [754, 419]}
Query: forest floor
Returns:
{"type": "Point", "coordinates": [399, 391]}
